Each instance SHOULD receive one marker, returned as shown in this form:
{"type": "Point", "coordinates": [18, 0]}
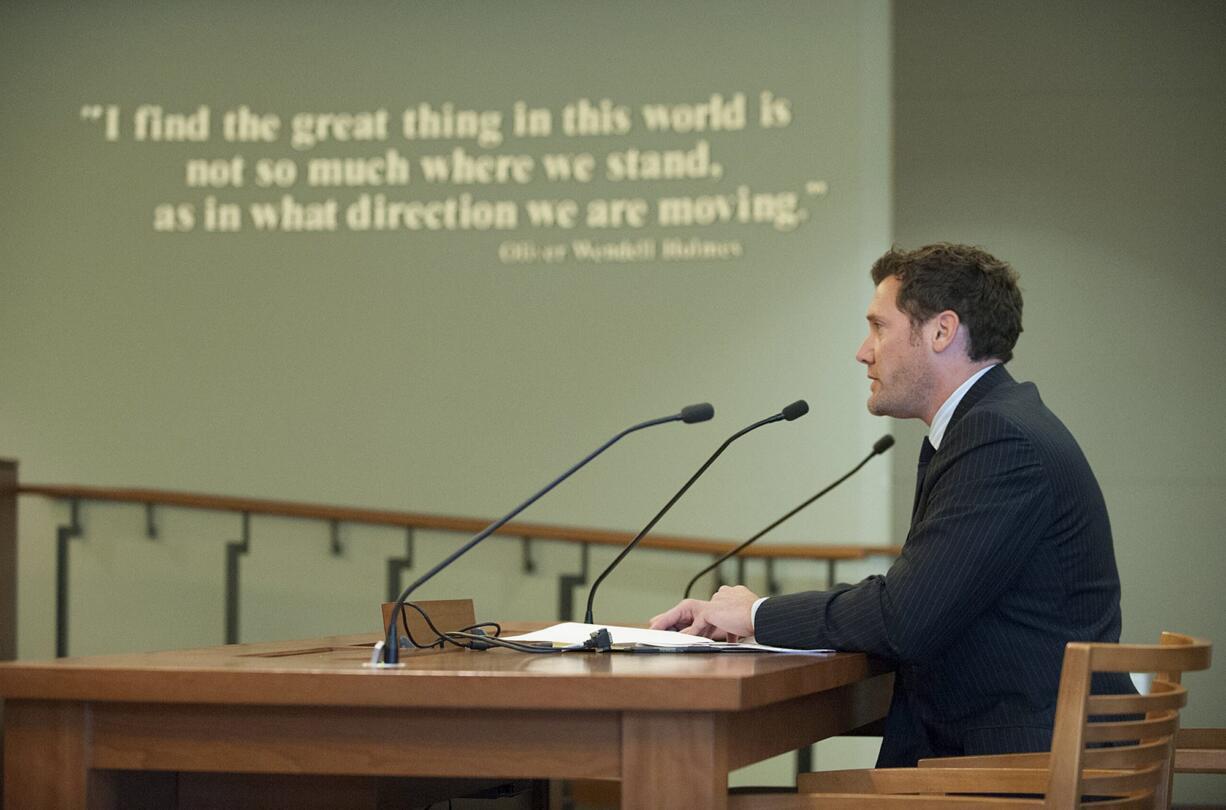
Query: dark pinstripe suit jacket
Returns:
{"type": "Point", "coordinates": [1009, 557]}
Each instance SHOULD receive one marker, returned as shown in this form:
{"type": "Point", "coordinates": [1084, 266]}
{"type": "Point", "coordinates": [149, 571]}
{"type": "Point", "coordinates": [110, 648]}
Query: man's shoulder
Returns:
{"type": "Point", "coordinates": [1017, 402]}
{"type": "Point", "coordinates": [1012, 410]}
{"type": "Point", "coordinates": [997, 396]}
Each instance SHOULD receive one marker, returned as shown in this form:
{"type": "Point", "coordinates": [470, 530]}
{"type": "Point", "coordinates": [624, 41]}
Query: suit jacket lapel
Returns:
{"type": "Point", "coordinates": [995, 377]}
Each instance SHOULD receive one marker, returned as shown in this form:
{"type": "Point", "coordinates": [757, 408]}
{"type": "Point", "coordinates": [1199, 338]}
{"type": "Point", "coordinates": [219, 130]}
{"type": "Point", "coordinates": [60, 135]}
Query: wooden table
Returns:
{"type": "Point", "coordinates": [669, 726]}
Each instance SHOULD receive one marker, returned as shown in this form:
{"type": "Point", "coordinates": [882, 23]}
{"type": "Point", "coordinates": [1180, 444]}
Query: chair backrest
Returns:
{"type": "Point", "coordinates": [1129, 754]}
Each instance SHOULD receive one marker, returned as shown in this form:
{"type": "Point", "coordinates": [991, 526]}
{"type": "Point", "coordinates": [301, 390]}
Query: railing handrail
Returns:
{"type": "Point", "coordinates": [423, 520]}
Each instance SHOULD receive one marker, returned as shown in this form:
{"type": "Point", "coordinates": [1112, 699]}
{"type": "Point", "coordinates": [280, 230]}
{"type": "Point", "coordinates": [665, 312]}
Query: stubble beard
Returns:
{"type": "Point", "coordinates": [907, 395]}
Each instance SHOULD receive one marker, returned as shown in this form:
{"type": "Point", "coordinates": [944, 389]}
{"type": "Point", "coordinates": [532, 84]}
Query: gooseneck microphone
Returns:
{"type": "Point", "coordinates": [879, 447]}
{"type": "Point", "coordinates": [391, 648]}
{"type": "Point", "coordinates": [794, 411]}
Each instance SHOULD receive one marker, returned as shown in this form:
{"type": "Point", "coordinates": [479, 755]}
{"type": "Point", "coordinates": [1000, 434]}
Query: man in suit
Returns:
{"type": "Point", "coordinates": [1009, 555]}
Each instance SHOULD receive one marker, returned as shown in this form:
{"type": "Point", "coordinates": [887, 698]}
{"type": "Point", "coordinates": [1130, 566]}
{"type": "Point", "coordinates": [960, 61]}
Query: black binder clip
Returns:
{"type": "Point", "coordinates": [600, 641]}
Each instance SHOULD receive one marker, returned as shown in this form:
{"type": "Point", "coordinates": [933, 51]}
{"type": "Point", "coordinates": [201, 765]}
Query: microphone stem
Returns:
{"type": "Point", "coordinates": [391, 649]}
{"type": "Point", "coordinates": [591, 596]}
{"type": "Point", "coordinates": [739, 548]}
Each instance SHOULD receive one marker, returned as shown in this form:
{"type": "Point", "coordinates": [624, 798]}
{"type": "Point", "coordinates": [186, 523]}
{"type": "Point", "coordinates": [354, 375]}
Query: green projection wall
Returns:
{"type": "Point", "coordinates": [424, 256]}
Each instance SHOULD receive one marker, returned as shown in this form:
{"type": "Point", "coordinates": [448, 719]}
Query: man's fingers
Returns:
{"type": "Point", "coordinates": [701, 626]}
{"type": "Point", "coordinates": [698, 618]}
{"type": "Point", "coordinates": [670, 619]}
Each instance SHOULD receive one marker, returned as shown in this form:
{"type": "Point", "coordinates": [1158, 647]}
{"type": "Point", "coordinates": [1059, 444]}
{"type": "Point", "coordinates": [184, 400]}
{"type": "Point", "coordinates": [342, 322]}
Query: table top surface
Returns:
{"type": "Point", "coordinates": [335, 671]}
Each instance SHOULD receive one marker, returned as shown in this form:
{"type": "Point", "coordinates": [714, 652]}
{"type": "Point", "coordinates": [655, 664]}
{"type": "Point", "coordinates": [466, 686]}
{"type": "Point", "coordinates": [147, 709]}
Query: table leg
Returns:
{"type": "Point", "coordinates": [46, 757]}
{"type": "Point", "coordinates": [674, 759]}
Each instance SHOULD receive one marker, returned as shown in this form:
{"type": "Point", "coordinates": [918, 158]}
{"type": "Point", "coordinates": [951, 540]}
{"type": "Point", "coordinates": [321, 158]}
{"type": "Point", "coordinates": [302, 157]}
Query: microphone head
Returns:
{"type": "Point", "coordinates": [697, 413]}
{"type": "Point", "coordinates": [796, 410]}
{"type": "Point", "coordinates": [883, 444]}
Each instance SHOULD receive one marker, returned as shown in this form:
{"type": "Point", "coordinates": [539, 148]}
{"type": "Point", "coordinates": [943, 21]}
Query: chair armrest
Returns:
{"type": "Point", "coordinates": [1039, 760]}
{"type": "Point", "coordinates": [860, 801]}
{"type": "Point", "coordinates": [930, 780]}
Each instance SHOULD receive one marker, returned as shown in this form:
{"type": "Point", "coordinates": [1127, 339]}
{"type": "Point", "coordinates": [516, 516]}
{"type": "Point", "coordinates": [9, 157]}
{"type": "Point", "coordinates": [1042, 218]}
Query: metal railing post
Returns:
{"type": "Point", "coordinates": [8, 559]}
{"type": "Point", "coordinates": [63, 537]}
{"type": "Point", "coordinates": [397, 564]}
{"type": "Point", "coordinates": [234, 550]}
{"type": "Point", "coordinates": [567, 584]}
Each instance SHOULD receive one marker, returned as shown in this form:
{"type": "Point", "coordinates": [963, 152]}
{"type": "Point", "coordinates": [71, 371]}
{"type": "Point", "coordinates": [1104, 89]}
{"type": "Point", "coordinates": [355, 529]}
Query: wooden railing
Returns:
{"type": "Point", "coordinates": [526, 533]}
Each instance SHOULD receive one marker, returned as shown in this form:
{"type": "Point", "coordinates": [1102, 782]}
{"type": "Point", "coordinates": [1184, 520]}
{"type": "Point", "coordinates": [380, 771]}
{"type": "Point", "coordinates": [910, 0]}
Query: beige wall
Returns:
{"type": "Point", "coordinates": [1082, 141]}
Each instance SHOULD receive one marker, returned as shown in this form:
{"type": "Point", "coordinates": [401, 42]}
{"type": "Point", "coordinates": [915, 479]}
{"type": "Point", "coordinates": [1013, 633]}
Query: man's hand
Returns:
{"type": "Point", "coordinates": [727, 617]}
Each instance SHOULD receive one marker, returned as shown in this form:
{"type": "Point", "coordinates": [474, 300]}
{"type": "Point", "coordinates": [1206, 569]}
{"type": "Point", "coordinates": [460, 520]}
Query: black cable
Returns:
{"type": "Point", "coordinates": [439, 636]}
{"type": "Point", "coordinates": [493, 641]}
{"type": "Point", "coordinates": [408, 634]}
{"type": "Point", "coordinates": [477, 641]}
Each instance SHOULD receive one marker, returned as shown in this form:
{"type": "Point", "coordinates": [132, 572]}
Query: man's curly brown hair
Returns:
{"type": "Point", "coordinates": [968, 280]}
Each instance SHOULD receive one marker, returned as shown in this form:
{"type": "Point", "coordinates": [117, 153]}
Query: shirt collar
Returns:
{"type": "Point", "coordinates": [936, 431]}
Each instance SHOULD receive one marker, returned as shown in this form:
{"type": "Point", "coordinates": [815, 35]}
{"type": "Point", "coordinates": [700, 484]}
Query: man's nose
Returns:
{"type": "Point", "coordinates": [864, 353]}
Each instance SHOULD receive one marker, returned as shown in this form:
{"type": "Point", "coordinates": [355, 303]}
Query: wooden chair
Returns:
{"type": "Point", "coordinates": [1134, 772]}
{"type": "Point", "coordinates": [1200, 750]}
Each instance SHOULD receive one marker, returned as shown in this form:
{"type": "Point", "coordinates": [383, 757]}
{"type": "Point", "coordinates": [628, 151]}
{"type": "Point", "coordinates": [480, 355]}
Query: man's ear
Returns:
{"type": "Point", "coordinates": [945, 333]}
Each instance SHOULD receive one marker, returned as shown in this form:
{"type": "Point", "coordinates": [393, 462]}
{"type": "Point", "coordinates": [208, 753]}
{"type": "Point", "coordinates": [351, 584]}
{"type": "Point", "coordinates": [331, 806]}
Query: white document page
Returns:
{"type": "Point", "coordinates": [572, 633]}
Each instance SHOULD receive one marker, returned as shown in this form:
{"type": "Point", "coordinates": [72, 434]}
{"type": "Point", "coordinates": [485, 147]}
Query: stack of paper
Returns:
{"type": "Point", "coordinates": [574, 634]}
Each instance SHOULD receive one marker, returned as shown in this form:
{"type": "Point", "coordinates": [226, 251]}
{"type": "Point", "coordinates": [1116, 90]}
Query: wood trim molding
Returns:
{"type": "Point", "coordinates": [424, 520]}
